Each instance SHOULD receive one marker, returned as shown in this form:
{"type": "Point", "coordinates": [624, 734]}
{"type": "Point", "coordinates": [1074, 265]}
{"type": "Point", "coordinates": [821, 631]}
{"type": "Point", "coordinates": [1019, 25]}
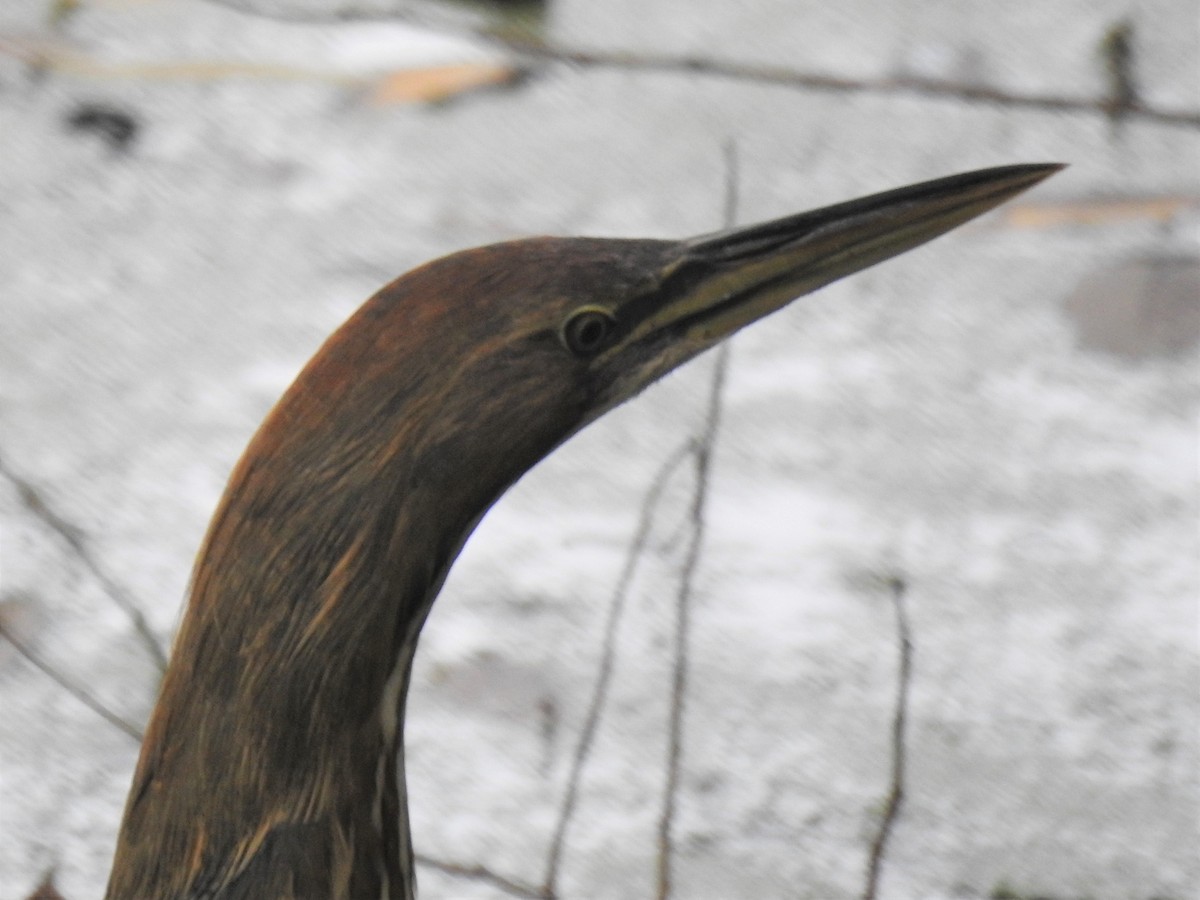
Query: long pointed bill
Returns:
{"type": "Point", "coordinates": [723, 281]}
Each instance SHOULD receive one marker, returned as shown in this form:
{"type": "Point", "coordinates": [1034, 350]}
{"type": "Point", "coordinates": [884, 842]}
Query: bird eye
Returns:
{"type": "Point", "coordinates": [587, 330]}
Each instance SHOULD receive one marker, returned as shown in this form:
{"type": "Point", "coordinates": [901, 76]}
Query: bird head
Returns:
{"type": "Point", "coordinates": [482, 361]}
{"type": "Point", "coordinates": [536, 337]}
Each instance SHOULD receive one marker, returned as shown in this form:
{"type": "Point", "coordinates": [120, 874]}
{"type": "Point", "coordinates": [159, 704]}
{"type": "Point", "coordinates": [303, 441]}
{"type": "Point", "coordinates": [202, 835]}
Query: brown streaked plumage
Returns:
{"type": "Point", "coordinates": [273, 763]}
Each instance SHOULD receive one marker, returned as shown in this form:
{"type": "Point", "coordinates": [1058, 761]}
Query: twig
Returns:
{"type": "Point", "coordinates": [69, 686]}
{"type": "Point", "coordinates": [915, 85]}
{"type": "Point", "coordinates": [481, 873]}
{"type": "Point", "coordinates": [74, 539]}
{"type": "Point", "coordinates": [429, 14]}
{"type": "Point", "coordinates": [1117, 50]}
{"type": "Point", "coordinates": [682, 639]}
{"type": "Point", "coordinates": [534, 48]}
{"type": "Point", "coordinates": [895, 795]}
{"type": "Point", "coordinates": [599, 698]}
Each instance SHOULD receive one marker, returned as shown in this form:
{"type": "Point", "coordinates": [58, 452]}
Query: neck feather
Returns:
{"type": "Point", "coordinates": [277, 738]}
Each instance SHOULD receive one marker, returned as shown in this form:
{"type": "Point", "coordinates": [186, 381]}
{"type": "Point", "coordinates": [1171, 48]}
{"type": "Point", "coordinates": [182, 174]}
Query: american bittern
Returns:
{"type": "Point", "coordinates": [273, 763]}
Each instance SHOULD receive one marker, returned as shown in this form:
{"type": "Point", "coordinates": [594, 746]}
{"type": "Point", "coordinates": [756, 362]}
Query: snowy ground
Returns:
{"type": "Point", "coordinates": [1005, 420]}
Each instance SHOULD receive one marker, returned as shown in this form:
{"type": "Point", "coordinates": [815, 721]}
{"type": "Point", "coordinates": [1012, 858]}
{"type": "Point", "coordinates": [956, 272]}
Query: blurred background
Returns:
{"type": "Point", "coordinates": [995, 435]}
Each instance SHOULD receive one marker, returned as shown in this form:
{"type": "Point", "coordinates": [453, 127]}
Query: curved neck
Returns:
{"type": "Point", "coordinates": [274, 755]}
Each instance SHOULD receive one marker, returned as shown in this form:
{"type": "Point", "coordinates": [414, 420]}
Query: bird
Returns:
{"type": "Point", "coordinates": [273, 762]}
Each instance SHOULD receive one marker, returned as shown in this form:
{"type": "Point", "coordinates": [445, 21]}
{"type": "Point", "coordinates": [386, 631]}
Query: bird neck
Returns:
{"type": "Point", "coordinates": [278, 734]}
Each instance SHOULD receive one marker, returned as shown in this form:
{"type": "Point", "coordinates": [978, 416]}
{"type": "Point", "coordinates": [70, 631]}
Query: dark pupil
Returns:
{"type": "Point", "coordinates": [588, 331]}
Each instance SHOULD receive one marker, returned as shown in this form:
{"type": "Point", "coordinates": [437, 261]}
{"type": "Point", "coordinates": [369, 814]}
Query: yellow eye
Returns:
{"type": "Point", "coordinates": [587, 330]}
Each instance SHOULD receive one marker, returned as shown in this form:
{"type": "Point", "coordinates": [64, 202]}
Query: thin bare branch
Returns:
{"type": "Point", "coordinates": [429, 14]}
{"type": "Point", "coordinates": [532, 47]}
{"type": "Point", "coordinates": [911, 85]}
{"type": "Point", "coordinates": [895, 794]}
{"type": "Point", "coordinates": [616, 608]}
{"type": "Point", "coordinates": [704, 446]}
{"type": "Point", "coordinates": [79, 693]}
{"type": "Point", "coordinates": [482, 873]}
{"type": "Point", "coordinates": [77, 543]}
{"type": "Point", "coordinates": [682, 637]}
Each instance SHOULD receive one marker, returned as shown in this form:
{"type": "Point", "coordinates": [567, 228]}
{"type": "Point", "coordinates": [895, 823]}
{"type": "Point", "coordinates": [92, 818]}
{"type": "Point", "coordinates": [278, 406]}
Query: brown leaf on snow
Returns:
{"type": "Point", "coordinates": [435, 83]}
